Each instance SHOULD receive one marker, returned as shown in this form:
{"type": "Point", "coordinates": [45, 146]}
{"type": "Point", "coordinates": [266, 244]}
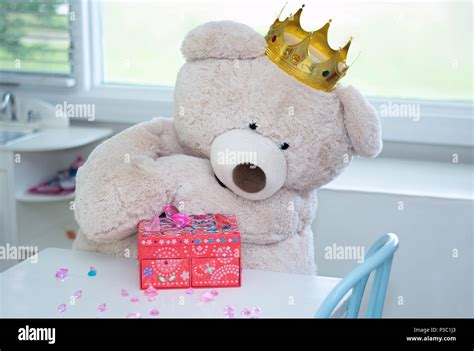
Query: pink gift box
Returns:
{"type": "Point", "coordinates": [202, 254]}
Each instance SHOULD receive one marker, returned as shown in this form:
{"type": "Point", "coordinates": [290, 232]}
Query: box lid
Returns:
{"type": "Point", "coordinates": [212, 228]}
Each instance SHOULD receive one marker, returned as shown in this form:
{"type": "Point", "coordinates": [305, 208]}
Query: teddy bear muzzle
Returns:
{"type": "Point", "coordinates": [248, 164]}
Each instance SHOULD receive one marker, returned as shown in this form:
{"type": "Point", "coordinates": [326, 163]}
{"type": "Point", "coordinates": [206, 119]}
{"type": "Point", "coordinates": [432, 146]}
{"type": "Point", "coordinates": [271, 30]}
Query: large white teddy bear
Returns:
{"type": "Point", "coordinates": [230, 99]}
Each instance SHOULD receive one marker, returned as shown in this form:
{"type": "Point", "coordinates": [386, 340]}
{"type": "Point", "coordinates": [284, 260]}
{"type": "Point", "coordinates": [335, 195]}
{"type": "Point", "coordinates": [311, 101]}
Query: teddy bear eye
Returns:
{"type": "Point", "coordinates": [284, 146]}
{"type": "Point", "coordinates": [253, 125]}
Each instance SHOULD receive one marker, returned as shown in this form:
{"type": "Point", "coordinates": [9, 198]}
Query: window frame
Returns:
{"type": "Point", "coordinates": [113, 101]}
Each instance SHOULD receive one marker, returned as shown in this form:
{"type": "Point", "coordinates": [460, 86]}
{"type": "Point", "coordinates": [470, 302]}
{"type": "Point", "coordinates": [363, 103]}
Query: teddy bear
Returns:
{"type": "Point", "coordinates": [246, 138]}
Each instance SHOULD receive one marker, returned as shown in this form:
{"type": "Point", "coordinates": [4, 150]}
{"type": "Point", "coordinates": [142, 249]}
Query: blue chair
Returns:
{"type": "Point", "coordinates": [378, 259]}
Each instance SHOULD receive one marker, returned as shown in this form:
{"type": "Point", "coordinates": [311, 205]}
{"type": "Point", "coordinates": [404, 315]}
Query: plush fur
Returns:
{"type": "Point", "coordinates": [226, 83]}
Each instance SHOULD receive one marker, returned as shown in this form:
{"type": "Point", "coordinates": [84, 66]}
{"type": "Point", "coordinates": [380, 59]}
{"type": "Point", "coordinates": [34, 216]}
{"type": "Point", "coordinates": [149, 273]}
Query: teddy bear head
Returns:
{"type": "Point", "coordinates": [262, 129]}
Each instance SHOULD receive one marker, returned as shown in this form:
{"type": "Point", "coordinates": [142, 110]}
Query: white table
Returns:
{"type": "Point", "coordinates": [31, 290]}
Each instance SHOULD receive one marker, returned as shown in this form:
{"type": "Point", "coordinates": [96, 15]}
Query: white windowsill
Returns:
{"type": "Point", "coordinates": [407, 177]}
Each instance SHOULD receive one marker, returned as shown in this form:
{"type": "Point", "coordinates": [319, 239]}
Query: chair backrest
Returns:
{"type": "Point", "coordinates": [378, 259]}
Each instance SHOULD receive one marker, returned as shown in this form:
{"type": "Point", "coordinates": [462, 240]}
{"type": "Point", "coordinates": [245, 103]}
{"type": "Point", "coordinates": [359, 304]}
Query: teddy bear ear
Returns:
{"type": "Point", "coordinates": [223, 40]}
{"type": "Point", "coordinates": [361, 121]}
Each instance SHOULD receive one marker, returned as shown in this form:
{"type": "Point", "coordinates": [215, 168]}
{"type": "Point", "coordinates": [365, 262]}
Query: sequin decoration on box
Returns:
{"type": "Point", "coordinates": [204, 253]}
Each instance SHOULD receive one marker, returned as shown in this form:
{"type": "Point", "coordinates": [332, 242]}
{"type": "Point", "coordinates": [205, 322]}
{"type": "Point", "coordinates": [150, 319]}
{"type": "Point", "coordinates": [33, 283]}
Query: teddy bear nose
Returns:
{"type": "Point", "coordinates": [247, 163]}
{"type": "Point", "coordinates": [249, 177]}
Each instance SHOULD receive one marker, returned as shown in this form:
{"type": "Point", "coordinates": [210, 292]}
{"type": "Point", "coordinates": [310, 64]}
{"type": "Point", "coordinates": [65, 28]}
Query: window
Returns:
{"type": "Point", "coordinates": [412, 58]}
{"type": "Point", "coordinates": [400, 49]}
{"type": "Point", "coordinates": [35, 40]}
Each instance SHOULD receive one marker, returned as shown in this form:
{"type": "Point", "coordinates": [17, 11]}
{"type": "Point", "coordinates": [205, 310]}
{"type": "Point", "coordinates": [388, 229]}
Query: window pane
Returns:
{"type": "Point", "coordinates": [400, 49]}
{"type": "Point", "coordinates": [35, 36]}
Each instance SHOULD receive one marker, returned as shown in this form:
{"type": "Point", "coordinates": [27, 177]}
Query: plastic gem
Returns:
{"type": "Point", "coordinates": [246, 313]}
{"type": "Point", "coordinates": [148, 272]}
{"type": "Point", "coordinates": [102, 307]}
{"type": "Point", "coordinates": [214, 292]}
{"type": "Point", "coordinates": [92, 272]}
{"type": "Point", "coordinates": [180, 220]}
{"type": "Point", "coordinates": [189, 291]}
{"type": "Point", "coordinates": [207, 297]}
{"type": "Point", "coordinates": [78, 294]}
{"type": "Point", "coordinates": [173, 277]}
{"type": "Point", "coordinates": [133, 315]}
{"type": "Point", "coordinates": [124, 292]}
{"type": "Point", "coordinates": [62, 307]}
{"type": "Point", "coordinates": [162, 279]}
{"type": "Point", "coordinates": [229, 311]}
{"type": "Point", "coordinates": [150, 291]}
{"type": "Point", "coordinates": [170, 210]}
{"type": "Point", "coordinates": [134, 299]}
{"type": "Point", "coordinates": [61, 273]}
{"type": "Point", "coordinates": [154, 312]}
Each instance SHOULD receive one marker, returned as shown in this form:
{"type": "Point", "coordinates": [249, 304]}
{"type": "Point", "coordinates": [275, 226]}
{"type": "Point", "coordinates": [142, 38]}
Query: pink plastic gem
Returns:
{"type": "Point", "coordinates": [256, 309]}
{"type": "Point", "coordinates": [62, 307]}
{"type": "Point", "coordinates": [133, 315]}
{"type": "Point", "coordinates": [189, 291]}
{"type": "Point", "coordinates": [207, 297]}
{"type": "Point", "coordinates": [151, 299]}
{"type": "Point", "coordinates": [78, 294]}
{"type": "Point", "coordinates": [150, 291]}
{"type": "Point", "coordinates": [102, 307]}
{"type": "Point", "coordinates": [246, 313]}
{"type": "Point", "coordinates": [229, 311]}
{"type": "Point", "coordinates": [170, 210]}
{"type": "Point", "coordinates": [61, 273]}
{"type": "Point", "coordinates": [214, 292]}
{"type": "Point", "coordinates": [154, 312]}
{"type": "Point", "coordinates": [134, 299]}
{"type": "Point", "coordinates": [180, 220]}
{"type": "Point", "coordinates": [124, 292]}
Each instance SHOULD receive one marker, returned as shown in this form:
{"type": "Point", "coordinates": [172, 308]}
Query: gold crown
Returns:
{"type": "Point", "coordinates": [304, 55]}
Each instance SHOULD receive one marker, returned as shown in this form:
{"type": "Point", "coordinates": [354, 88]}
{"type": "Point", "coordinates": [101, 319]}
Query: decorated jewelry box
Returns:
{"type": "Point", "coordinates": [179, 251]}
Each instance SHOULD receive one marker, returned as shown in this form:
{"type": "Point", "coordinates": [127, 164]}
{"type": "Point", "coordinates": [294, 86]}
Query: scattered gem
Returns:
{"type": "Point", "coordinates": [214, 292]}
{"type": "Point", "coordinates": [134, 299]}
{"type": "Point", "coordinates": [246, 313]}
{"type": "Point", "coordinates": [251, 312]}
{"type": "Point", "coordinates": [78, 294]}
{"type": "Point", "coordinates": [124, 292]}
{"type": "Point", "coordinates": [61, 273]}
{"type": "Point", "coordinates": [207, 297]}
{"type": "Point", "coordinates": [189, 291]}
{"type": "Point", "coordinates": [229, 311]}
{"type": "Point", "coordinates": [102, 307]}
{"type": "Point", "coordinates": [92, 272]}
{"type": "Point", "coordinates": [154, 312]}
{"type": "Point", "coordinates": [151, 299]}
{"type": "Point", "coordinates": [62, 307]}
{"type": "Point", "coordinates": [133, 315]}
{"type": "Point", "coordinates": [150, 291]}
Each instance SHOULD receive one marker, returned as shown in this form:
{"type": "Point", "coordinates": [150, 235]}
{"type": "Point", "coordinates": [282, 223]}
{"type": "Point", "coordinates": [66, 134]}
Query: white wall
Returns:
{"type": "Point", "coordinates": [425, 274]}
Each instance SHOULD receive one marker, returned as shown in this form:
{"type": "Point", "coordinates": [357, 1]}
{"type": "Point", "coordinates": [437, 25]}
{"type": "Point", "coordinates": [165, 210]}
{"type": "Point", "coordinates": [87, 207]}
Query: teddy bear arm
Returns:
{"type": "Point", "coordinates": [123, 180]}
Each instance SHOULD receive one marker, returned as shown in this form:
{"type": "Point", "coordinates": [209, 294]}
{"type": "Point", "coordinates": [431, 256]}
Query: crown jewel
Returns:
{"type": "Point", "coordinates": [304, 55]}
